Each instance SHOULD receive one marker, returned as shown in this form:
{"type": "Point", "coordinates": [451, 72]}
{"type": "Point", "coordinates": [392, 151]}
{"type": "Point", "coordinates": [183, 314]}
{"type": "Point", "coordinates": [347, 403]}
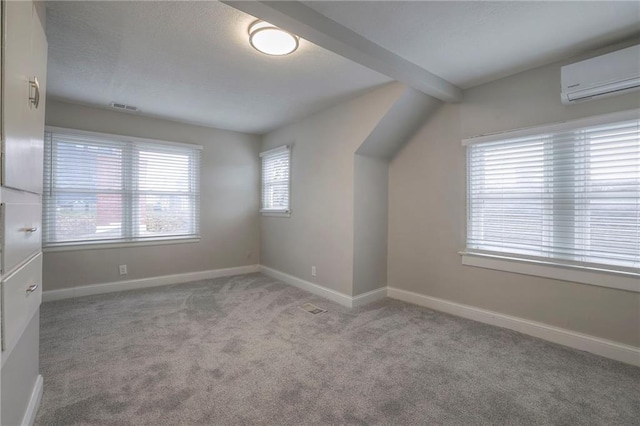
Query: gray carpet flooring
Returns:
{"type": "Point", "coordinates": [240, 351]}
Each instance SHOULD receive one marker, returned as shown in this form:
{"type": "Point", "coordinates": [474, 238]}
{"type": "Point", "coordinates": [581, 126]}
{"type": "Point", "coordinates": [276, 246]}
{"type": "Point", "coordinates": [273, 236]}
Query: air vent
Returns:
{"type": "Point", "coordinates": [312, 309]}
{"type": "Point", "coordinates": [124, 107]}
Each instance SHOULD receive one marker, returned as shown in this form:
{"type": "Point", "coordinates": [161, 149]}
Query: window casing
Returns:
{"type": "Point", "coordinates": [276, 182]}
{"type": "Point", "coordinates": [102, 188]}
{"type": "Point", "coordinates": [567, 194]}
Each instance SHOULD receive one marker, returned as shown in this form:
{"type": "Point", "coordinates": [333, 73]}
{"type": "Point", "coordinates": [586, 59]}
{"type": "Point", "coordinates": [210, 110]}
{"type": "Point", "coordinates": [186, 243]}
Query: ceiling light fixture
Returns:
{"type": "Point", "coordinates": [271, 40]}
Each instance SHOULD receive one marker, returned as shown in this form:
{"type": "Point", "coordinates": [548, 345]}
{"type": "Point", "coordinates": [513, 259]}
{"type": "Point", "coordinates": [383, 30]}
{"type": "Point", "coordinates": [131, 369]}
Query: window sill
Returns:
{"type": "Point", "coordinates": [100, 246]}
{"type": "Point", "coordinates": [275, 213]}
{"type": "Point", "coordinates": [600, 277]}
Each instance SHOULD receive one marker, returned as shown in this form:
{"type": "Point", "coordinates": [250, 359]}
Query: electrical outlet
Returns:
{"type": "Point", "coordinates": [313, 271]}
{"type": "Point", "coordinates": [123, 269]}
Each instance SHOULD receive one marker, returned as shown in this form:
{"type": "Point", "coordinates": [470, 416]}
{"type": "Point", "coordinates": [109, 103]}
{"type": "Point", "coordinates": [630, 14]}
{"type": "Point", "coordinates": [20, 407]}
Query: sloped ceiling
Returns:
{"type": "Point", "coordinates": [191, 61]}
{"type": "Point", "coordinates": [474, 42]}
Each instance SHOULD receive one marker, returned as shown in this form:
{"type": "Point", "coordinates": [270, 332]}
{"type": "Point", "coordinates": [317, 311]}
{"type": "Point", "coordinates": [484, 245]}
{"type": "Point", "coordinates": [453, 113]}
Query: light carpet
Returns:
{"type": "Point", "coordinates": [240, 351]}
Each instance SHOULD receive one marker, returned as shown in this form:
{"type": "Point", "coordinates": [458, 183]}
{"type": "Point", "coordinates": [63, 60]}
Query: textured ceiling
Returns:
{"type": "Point", "coordinates": [469, 43]}
{"type": "Point", "coordinates": [191, 62]}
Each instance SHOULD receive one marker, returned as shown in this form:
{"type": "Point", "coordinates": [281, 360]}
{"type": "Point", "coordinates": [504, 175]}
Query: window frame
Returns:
{"type": "Point", "coordinates": [600, 275]}
{"type": "Point", "coordinates": [275, 212]}
{"type": "Point", "coordinates": [127, 239]}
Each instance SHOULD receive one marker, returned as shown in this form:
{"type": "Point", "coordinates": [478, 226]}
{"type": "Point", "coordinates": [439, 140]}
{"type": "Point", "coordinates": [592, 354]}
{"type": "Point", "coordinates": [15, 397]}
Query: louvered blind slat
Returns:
{"type": "Point", "coordinates": [275, 179]}
{"type": "Point", "coordinates": [571, 196]}
{"type": "Point", "coordinates": [104, 188]}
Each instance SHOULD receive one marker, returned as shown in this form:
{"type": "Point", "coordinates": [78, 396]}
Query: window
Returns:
{"type": "Point", "coordinates": [275, 180]}
{"type": "Point", "coordinates": [112, 189]}
{"type": "Point", "coordinates": [567, 194]}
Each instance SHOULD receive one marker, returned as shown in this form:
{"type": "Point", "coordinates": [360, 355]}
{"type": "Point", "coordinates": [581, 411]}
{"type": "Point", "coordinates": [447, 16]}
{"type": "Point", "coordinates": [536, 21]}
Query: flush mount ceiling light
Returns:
{"type": "Point", "coordinates": [271, 40]}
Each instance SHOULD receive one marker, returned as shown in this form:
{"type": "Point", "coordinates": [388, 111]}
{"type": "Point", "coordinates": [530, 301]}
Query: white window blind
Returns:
{"type": "Point", "coordinates": [570, 195]}
{"type": "Point", "coordinates": [275, 180]}
{"type": "Point", "coordinates": [110, 189]}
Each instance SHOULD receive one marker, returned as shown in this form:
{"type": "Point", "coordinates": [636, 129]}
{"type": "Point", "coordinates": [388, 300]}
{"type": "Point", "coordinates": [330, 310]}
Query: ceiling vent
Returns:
{"type": "Point", "coordinates": [124, 107]}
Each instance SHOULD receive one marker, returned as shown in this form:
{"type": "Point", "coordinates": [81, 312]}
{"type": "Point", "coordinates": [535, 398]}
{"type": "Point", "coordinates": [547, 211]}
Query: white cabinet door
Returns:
{"type": "Point", "coordinates": [22, 294]}
{"type": "Point", "coordinates": [22, 235]}
{"type": "Point", "coordinates": [39, 48]}
{"type": "Point", "coordinates": [21, 151]}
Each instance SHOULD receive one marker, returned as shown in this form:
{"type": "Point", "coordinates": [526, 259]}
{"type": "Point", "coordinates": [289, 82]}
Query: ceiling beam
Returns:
{"type": "Point", "coordinates": [313, 26]}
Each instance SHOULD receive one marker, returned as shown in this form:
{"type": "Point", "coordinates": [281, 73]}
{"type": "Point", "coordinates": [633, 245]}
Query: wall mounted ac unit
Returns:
{"type": "Point", "coordinates": [607, 75]}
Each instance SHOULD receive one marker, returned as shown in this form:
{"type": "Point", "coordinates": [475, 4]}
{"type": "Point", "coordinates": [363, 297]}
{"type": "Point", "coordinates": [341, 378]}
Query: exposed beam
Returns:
{"type": "Point", "coordinates": [313, 26]}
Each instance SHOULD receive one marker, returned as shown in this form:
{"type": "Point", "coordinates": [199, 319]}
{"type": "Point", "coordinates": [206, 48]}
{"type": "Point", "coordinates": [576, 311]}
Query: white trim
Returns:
{"type": "Point", "coordinates": [273, 213]}
{"type": "Point", "coordinates": [369, 297]}
{"type": "Point", "coordinates": [276, 150]}
{"type": "Point", "coordinates": [89, 290]}
{"type": "Point", "coordinates": [572, 339]}
{"type": "Point", "coordinates": [555, 128]}
{"type": "Point", "coordinates": [316, 289]}
{"type": "Point", "coordinates": [118, 137]}
{"type": "Point", "coordinates": [334, 296]}
{"type": "Point", "coordinates": [579, 274]}
{"type": "Point", "coordinates": [84, 245]}
{"type": "Point", "coordinates": [29, 417]}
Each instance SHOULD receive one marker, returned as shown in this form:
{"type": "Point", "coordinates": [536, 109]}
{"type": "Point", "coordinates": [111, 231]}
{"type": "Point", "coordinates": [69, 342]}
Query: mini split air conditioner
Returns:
{"type": "Point", "coordinates": [607, 75]}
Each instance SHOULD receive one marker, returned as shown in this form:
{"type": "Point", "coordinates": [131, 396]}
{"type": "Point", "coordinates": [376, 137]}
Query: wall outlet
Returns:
{"type": "Point", "coordinates": [123, 269]}
{"type": "Point", "coordinates": [313, 271]}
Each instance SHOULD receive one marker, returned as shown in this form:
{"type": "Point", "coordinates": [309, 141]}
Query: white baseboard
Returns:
{"type": "Point", "coordinates": [572, 339]}
{"type": "Point", "coordinates": [34, 403]}
{"type": "Point", "coordinates": [368, 297]}
{"type": "Point", "coordinates": [316, 289]}
{"type": "Point", "coordinates": [585, 342]}
{"type": "Point", "coordinates": [335, 296]}
{"type": "Point", "coordinates": [606, 348]}
{"type": "Point", "coordinates": [89, 290]}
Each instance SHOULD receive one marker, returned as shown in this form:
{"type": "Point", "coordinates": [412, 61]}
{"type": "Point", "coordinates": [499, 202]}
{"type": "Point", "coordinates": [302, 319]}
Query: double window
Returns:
{"type": "Point", "coordinates": [567, 194]}
{"type": "Point", "coordinates": [113, 189]}
{"type": "Point", "coordinates": [276, 180]}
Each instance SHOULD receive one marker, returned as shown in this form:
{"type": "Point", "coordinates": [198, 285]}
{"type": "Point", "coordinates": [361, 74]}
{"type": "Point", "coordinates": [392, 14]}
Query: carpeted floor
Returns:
{"type": "Point", "coordinates": [240, 351]}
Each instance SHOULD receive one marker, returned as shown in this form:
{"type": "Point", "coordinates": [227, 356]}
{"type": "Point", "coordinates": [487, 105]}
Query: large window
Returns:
{"type": "Point", "coordinates": [567, 194]}
{"type": "Point", "coordinates": [112, 189]}
{"type": "Point", "coordinates": [275, 180]}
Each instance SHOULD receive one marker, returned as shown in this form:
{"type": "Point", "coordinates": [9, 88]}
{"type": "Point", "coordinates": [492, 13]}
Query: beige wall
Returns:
{"type": "Point", "coordinates": [371, 175]}
{"type": "Point", "coordinates": [427, 212]}
{"type": "Point", "coordinates": [370, 224]}
{"type": "Point", "coordinates": [330, 194]}
{"type": "Point", "coordinates": [320, 229]}
{"type": "Point", "coordinates": [229, 204]}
